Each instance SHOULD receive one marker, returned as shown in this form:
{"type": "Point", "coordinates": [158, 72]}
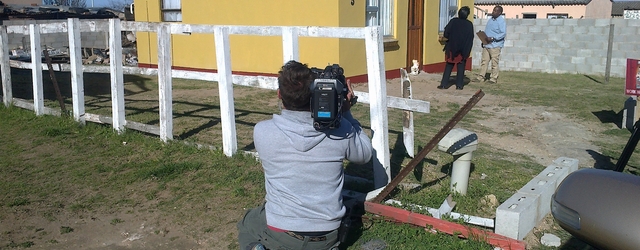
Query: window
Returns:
{"type": "Point", "coordinates": [529, 15]}
{"type": "Point", "coordinates": [557, 15]}
{"type": "Point", "coordinates": [171, 11]}
{"type": "Point", "coordinates": [380, 13]}
{"type": "Point", "coordinates": [448, 10]}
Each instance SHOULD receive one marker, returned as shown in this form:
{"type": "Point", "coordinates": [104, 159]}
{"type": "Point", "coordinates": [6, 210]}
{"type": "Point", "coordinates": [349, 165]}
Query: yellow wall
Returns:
{"type": "Point", "coordinates": [259, 54]}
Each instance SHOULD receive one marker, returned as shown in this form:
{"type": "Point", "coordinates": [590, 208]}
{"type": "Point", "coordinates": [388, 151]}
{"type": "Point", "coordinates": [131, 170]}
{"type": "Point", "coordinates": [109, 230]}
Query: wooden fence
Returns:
{"type": "Point", "coordinates": [376, 97]}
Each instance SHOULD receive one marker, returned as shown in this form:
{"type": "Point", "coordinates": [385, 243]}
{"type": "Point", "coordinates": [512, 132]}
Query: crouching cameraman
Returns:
{"type": "Point", "coordinates": [303, 170]}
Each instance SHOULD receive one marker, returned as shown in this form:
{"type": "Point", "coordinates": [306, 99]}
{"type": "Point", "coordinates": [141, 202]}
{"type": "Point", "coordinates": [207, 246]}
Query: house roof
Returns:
{"type": "Point", "coordinates": [618, 8]}
{"type": "Point", "coordinates": [532, 2]}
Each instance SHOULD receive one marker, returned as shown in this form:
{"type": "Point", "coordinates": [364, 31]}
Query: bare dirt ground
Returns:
{"type": "Point", "coordinates": [540, 133]}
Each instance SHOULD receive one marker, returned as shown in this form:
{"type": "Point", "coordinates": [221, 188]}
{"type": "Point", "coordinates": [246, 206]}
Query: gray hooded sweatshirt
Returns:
{"type": "Point", "coordinates": [303, 169]}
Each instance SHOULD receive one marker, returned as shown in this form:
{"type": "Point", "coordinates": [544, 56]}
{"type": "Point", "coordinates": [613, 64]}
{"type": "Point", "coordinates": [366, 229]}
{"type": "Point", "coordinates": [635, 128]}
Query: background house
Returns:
{"type": "Point", "coordinates": [626, 9]}
{"type": "Point", "coordinates": [411, 31]}
{"type": "Point", "coordinates": [546, 8]}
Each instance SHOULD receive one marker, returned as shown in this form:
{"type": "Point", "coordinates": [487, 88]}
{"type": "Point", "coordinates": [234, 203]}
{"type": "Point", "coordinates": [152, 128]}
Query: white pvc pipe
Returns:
{"type": "Point", "coordinates": [460, 173]}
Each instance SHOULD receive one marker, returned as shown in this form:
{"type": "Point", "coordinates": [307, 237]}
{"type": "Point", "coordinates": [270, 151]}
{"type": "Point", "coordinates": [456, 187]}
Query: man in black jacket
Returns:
{"type": "Point", "coordinates": [459, 36]}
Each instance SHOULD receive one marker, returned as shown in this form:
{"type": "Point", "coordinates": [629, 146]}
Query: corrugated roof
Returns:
{"type": "Point", "coordinates": [532, 2]}
{"type": "Point", "coordinates": [617, 9]}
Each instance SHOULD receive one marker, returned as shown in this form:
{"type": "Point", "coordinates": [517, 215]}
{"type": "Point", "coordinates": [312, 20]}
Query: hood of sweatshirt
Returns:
{"type": "Point", "coordinates": [297, 126]}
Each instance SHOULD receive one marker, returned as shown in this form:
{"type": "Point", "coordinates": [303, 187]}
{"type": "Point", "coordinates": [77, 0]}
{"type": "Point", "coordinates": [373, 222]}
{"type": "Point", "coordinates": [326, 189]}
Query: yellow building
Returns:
{"type": "Point", "coordinates": [411, 29]}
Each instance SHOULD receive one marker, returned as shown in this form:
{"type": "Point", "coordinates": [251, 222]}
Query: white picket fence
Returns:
{"type": "Point", "coordinates": [376, 97]}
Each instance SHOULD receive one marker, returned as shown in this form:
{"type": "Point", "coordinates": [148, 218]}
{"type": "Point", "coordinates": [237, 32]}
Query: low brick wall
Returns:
{"type": "Point", "coordinates": [577, 46]}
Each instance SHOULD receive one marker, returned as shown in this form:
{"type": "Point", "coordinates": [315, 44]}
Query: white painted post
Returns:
{"type": "Point", "coordinates": [378, 106]}
{"type": "Point", "coordinates": [165, 82]}
{"type": "Point", "coordinates": [290, 44]}
{"type": "Point", "coordinates": [225, 88]}
{"type": "Point", "coordinates": [36, 69]}
{"type": "Point", "coordinates": [7, 94]}
{"type": "Point", "coordinates": [117, 81]}
{"type": "Point", "coordinates": [77, 79]}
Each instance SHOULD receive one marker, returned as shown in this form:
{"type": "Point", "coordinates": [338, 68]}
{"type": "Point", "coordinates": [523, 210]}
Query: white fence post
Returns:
{"type": "Point", "coordinates": [7, 95]}
{"type": "Point", "coordinates": [225, 88]}
{"type": "Point", "coordinates": [117, 81]}
{"type": "Point", "coordinates": [290, 44]}
{"type": "Point", "coordinates": [36, 69]}
{"type": "Point", "coordinates": [77, 80]}
{"type": "Point", "coordinates": [378, 106]}
{"type": "Point", "coordinates": [165, 82]}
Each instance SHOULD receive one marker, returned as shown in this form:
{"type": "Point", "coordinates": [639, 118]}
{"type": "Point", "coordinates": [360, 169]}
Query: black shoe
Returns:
{"type": "Point", "coordinates": [441, 87]}
{"type": "Point", "coordinates": [459, 88]}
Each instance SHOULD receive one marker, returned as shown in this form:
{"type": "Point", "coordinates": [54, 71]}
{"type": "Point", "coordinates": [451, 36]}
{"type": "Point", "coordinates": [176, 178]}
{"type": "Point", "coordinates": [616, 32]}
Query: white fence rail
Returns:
{"type": "Point", "coordinates": [376, 97]}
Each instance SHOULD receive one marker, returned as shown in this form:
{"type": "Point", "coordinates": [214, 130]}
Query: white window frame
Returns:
{"type": "Point", "coordinates": [448, 10]}
{"type": "Point", "coordinates": [171, 10]}
{"type": "Point", "coordinates": [380, 13]}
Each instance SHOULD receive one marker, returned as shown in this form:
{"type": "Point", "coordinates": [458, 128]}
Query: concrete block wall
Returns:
{"type": "Point", "coordinates": [55, 40]}
{"type": "Point", "coordinates": [577, 46]}
{"type": "Point", "coordinates": [519, 214]}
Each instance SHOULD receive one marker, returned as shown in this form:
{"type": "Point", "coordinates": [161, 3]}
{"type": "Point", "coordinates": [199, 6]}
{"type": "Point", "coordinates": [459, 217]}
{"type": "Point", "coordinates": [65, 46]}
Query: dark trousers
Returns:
{"type": "Point", "coordinates": [253, 228]}
{"type": "Point", "coordinates": [459, 76]}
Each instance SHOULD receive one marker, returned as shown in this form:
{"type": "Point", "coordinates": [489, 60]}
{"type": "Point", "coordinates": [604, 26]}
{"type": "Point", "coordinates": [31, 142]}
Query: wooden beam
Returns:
{"type": "Point", "coordinates": [438, 225]}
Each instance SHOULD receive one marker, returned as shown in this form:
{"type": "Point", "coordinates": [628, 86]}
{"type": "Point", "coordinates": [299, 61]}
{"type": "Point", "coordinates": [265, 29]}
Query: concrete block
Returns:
{"type": "Point", "coordinates": [570, 52]}
{"type": "Point", "coordinates": [556, 22]}
{"type": "Point", "coordinates": [580, 30]}
{"type": "Point", "coordinates": [587, 22]}
{"type": "Point", "coordinates": [619, 22]}
{"type": "Point", "coordinates": [570, 22]}
{"type": "Point", "coordinates": [516, 216]}
{"type": "Point", "coordinates": [554, 36]}
{"type": "Point", "coordinates": [527, 22]}
{"type": "Point", "coordinates": [603, 23]}
{"type": "Point", "coordinates": [564, 29]}
{"type": "Point", "coordinates": [572, 163]}
{"type": "Point", "coordinates": [542, 22]}
{"type": "Point", "coordinates": [633, 23]}
{"type": "Point", "coordinates": [549, 29]}
{"type": "Point", "coordinates": [540, 66]}
{"type": "Point", "coordinates": [543, 188]}
{"type": "Point", "coordinates": [584, 68]}
{"type": "Point", "coordinates": [519, 29]}
{"type": "Point", "coordinates": [535, 28]}
{"type": "Point", "coordinates": [554, 173]}
{"type": "Point", "coordinates": [578, 60]}
{"type": "Point", "coordinates": [525, 65]}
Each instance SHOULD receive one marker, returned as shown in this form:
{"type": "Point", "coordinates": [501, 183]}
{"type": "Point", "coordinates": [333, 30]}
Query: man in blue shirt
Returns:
{"type": "Point", "coordinates": [496, 31]}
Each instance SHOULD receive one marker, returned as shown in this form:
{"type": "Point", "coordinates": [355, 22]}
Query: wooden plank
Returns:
{"type": "Point", "coordinates": [75, 64]}
{"type": "Point", "coordinates": [117, 81]}
{"type": "Point", "coordinates": [26, 104]}
{"type": "Point", "coordinates": [438, 225]}
{"type": "Point", "coordinates": [398, 102]}
{"type": "Point", "coordinates": [103, 119]}
{"type": "Point", "coordinates": [225, 88]}
{"type": "Point", "coordinates": [290, 44]}
{"type": "Point", "coordinates": [378, 106]}
{"type": "Point", "coordinates": [165, 83]}
{"type": "Point", "coordinates": [5, 68]}
{"type": "Point", "coordinates": [407, 116]}
{"type": "Point", "coordinates": [36, 71]}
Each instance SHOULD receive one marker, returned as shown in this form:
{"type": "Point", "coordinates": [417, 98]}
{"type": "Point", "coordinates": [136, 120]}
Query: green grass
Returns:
{"type": "Point", "coordinates": [107, 172]}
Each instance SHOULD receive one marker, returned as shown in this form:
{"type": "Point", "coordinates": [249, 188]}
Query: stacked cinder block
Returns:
{"type": "Point", "coordinates": [525, 209]}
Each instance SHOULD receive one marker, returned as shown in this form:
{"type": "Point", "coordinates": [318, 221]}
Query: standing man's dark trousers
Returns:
{"type": "Point", "coordinates": [459, 76]}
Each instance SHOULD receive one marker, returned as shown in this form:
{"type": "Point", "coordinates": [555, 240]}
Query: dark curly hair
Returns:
{"type": "Point", "coordinates": [294, 81]}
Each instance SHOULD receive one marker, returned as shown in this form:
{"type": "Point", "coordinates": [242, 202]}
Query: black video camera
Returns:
{"type": "Point", "coordinates": [328, 93]}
